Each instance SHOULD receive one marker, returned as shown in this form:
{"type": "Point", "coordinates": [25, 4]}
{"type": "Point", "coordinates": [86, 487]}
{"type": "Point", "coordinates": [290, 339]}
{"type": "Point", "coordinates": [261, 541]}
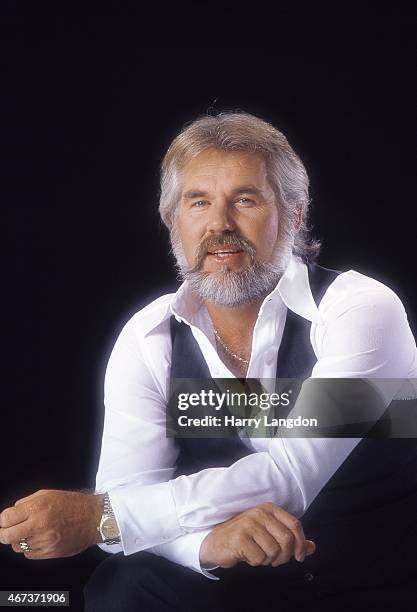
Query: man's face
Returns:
{"type": "Point", "coordinates": [225, 197]}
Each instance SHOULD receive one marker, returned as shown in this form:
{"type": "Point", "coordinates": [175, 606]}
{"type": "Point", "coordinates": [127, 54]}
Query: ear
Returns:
{"type": "Point", "coordinates": [298, 220]}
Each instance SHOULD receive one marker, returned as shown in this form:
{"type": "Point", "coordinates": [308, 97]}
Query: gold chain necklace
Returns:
{"type": "Point", "coordinates": [216, 333]}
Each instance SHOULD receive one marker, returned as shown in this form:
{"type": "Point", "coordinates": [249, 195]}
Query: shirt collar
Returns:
{"type": "Point", "coordinates": [293, 288]}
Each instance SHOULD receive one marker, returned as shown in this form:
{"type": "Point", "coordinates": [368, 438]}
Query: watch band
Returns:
{"type": "Point", "coordinates": [108, 511]}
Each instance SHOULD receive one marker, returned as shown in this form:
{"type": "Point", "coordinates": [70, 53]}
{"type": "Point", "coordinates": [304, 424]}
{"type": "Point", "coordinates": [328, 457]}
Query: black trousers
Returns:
{"type": "Point", "coordinates": [143, 582]}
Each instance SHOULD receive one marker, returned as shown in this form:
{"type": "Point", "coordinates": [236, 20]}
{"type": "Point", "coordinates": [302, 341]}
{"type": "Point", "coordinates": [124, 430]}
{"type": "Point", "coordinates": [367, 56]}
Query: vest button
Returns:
{"type": "Point", "coordinates": [309, 577]}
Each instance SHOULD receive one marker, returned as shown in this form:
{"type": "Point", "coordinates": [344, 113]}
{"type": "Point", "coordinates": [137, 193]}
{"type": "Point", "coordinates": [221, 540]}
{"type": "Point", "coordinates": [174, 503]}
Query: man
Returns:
{"type": "Point", "coordinates": [234, 196]}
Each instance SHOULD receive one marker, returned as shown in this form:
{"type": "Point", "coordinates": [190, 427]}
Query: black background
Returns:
{"type": "Point", "coordinates": [90, 103]}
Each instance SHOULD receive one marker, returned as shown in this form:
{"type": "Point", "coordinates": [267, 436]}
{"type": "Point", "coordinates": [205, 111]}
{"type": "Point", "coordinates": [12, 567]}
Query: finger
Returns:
{"type": "Point", "coordinates": [36, 551]}
{"type": "Point", "coordinates": [267, 542]}
{"type": "Point", "coordinates": [311, 547]}
{"type": "Point", "coordinates": [13, 516]}
{"type": "Point", "coordinates": [295, 526]}
{"type": "Point", "coordinates": [13, 535]}
{"type": "Point", "coordinates": [35, 554]}
{"type": "Point", "coordinates": [285, 539]}
{"type": "Point", "coordinates": [29, 497]}
{"type": "Point", "coordinates": [252, 553]}
{"type": "Point", "coordinates": [18, 549]}
{"type": "Point", "coordinates": [39, 554]}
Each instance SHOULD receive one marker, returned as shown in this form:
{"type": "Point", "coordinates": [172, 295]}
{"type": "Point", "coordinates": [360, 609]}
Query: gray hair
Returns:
{"type": "Point", "coordinates": [240, 131]}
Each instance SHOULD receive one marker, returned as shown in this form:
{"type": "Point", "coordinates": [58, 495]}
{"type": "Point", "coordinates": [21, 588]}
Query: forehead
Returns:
{"type": "Point", "coordinates": [212, 168]}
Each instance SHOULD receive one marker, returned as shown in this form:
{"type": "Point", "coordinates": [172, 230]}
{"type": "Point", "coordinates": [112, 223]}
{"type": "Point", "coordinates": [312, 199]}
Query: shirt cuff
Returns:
{"type": "Point", "coordinates": [110, 548]}
{"type": "Point", "coordinates": [146, 516]}
{"type": "Point", "coordinates": [185, 551]}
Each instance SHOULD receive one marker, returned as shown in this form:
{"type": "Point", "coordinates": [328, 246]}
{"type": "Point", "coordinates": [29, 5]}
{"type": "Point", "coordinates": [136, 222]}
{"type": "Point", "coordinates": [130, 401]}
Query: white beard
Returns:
{"type": "Point", "coordinates": [227, 287]}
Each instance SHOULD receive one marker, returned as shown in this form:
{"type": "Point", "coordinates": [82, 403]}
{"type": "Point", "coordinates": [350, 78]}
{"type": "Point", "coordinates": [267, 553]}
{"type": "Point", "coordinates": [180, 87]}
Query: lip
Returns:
{"type": "Point", "coordinates": [224, 250]}
{"type": "Point", "coordinates": [225, 255]}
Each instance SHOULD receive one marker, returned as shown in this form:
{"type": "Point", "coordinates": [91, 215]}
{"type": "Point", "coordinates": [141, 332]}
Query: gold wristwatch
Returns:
{"type": "Point", "coordinates": [108, 527]}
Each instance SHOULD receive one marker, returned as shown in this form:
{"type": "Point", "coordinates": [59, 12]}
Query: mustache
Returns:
{"type": "Point", "coordinates": [214, 242]}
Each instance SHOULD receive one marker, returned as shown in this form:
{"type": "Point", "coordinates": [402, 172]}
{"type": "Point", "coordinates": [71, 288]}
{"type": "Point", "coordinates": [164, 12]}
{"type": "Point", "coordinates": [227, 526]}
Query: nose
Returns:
{"type": "Point", "coordinates": [220, 218]}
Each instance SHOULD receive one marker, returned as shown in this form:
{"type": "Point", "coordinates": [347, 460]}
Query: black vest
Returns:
{"type": "Point", "coordinates": [364, 521]}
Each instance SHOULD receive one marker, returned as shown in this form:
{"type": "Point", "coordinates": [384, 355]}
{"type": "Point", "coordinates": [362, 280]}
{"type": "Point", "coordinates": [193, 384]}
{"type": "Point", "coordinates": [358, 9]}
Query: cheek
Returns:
{"type": "Point", "coordinates": [187, 233]}
{"type": "Point", "coordinates": [268, 232]}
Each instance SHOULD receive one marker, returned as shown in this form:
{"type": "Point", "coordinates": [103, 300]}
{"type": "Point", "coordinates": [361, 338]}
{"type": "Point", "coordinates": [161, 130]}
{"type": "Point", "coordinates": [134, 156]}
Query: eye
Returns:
{"type": "Point", "coordinates": [244, 200]}
{"type": "Point", "coordinates": [199, 203]}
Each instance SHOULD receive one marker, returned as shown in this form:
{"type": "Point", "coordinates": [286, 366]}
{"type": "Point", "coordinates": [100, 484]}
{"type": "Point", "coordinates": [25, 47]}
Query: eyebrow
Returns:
{"type": "Point", "coordinates": [193, 193]}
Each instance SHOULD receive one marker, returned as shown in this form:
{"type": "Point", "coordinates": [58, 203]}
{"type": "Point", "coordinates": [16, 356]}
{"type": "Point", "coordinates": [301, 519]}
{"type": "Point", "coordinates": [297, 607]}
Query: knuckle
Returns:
{"type": "Point", "coordinates": [248, 514]}
{"type": "Point", "coordinates": [296, 524]}
{"type": "Point", "coordinates": [242, 539]}
{"type": "Point", "coordinates": [41, 507]}
{"type": "Point", "coordinates": [287, 551]}
{"type": "Point", "coordinates": [241, 552]}
{"type": "Point", "coordinates": [253, 511]}
{"type": "Point", "coordinates": [248, 522]}
{"type": "Point", "coordinates": [276, 550]}
{"type": "Point", "coordinates": [259, 559]}
{"type": "Point", "coordinates": [277, 562]}
{"type": "Point", "coordinates": [257, 515]}
{"type": "Point", "coordinates": [253, 562]}
{"type": "Point", "coordinates": [287, 540]}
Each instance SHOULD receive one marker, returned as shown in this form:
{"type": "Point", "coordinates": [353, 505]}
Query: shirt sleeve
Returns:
{"type": "Point", "coordinates": [362, 332]}
{"type": "Point", "coordinates": [184, 550]}
{"type": "Point", "coordinates": [358, 334]}
{"type": "Point", "coordinates": [137, 460]}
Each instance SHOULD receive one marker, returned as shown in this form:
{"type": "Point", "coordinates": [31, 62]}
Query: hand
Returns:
{"type": "Point", "coordinates": [263, 535]}
{"type": "Point", "coordinates": [54, 523]}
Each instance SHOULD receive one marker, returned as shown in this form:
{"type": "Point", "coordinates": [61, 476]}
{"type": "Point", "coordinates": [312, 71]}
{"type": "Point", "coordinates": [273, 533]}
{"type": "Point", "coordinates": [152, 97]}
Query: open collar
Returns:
{"type": "Point", "coordinates": [293, 288]}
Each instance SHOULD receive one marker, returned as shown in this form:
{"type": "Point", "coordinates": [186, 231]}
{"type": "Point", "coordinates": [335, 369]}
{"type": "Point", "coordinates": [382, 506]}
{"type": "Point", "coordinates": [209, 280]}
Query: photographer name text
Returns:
{"type": "Point", "coordinates": [252, 422]}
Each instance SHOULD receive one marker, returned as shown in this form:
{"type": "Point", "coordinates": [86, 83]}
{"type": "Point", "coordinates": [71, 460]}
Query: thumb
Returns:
{"type": "Point", "coordinates": [311, 547]}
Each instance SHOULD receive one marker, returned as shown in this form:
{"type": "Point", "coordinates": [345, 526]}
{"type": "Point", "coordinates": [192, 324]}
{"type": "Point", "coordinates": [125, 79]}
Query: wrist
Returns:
{"type": "Point", "coordinates": [108, 528]}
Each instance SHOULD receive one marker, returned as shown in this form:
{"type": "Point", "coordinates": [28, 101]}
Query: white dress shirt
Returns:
{"type": "Point", "coordinates": [360, 329]}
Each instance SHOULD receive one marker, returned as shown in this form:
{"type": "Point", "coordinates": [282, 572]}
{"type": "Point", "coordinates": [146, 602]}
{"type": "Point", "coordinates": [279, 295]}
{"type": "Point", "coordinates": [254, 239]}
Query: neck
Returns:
{"type": "Point", "coordinates": [237, 321]}
{"type": "Point", "coordinates": [235, 328]}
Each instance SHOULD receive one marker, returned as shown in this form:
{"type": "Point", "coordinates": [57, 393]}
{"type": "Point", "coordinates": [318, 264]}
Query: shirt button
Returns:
{"type": "Point", "coordinates": [309, 577]}
{"type": "Point", "coordinates": [138, 541]}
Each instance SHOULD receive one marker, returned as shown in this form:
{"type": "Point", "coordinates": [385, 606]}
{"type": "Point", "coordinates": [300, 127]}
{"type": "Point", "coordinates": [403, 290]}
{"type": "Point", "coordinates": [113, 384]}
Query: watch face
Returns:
{"type": "Point", "coordinates": [109, 529]}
